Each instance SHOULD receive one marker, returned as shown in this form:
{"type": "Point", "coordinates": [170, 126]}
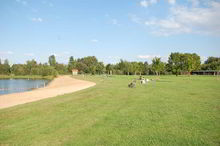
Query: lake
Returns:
{"type": "Point", "coordinates": [8, 86]}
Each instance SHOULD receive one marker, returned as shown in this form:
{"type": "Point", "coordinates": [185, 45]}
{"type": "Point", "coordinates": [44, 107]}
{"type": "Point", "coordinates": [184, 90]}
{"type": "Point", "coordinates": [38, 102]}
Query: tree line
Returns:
{"type": "Point", "coordinates": [178, 63]}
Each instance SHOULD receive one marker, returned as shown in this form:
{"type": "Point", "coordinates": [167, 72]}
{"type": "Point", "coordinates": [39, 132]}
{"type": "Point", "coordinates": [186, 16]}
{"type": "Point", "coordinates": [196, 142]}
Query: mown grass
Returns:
{"type": "Point", "coordinates": [171, 111]}
{"type": "Point", "coordinates": [33, 77]}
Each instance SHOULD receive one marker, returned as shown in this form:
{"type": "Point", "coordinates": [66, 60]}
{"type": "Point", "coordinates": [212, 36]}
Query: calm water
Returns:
{"type": "Point", "coordinates": [20, 85]}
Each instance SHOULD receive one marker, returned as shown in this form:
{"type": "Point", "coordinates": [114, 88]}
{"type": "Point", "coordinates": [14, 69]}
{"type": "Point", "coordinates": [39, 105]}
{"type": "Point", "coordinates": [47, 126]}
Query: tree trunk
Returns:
{"type": "Point", "coordinates": [188, 73]}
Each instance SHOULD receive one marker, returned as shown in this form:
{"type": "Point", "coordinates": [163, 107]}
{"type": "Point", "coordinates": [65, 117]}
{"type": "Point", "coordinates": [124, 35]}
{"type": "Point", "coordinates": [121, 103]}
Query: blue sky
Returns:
{"type": "Point", "coordinates": [108, 29]}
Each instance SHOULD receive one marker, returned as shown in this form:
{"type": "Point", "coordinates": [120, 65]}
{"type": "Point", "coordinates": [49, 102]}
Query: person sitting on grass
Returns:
{"type": "Point", "coordinates": [132, 84]}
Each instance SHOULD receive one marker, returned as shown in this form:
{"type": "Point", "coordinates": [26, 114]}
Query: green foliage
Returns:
{"type": "Point", "coordinates": [71, 64]}
{"type": "Point", "coordinates": [61, 68]}
{"type": "Point", "coordinates": [212, 63]}
{"type": "Point", "coordinates": [179, 62]}
{"type": "Point", "coordinates": [175, 63]}
{"type": "Point", "coordinates": [89, 65]}
{"type": "Point", "coordinates": [48, 70]}
{"type": "Point", "coordinates": [109, 68]}
{"type": "Point", "coordinates": [5, 68]}
{"type": "Point", "coordinates": [52, 60]}
{"type": "Point", "coordinates": [32, 68]}
{"type": "Point", "coordinates": [157, 65]}
{"type": "Point", "coordinates": [100, 68]}
{"type": "Point", "coordinates": [18, 69]}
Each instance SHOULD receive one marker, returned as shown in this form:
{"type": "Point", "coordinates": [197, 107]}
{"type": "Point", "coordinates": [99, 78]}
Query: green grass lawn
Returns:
{"type": "Point", "coordinates": [171, 111]}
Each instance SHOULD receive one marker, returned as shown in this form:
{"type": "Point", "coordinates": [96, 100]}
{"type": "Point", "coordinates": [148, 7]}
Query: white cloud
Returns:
{"type": "Point", "coordinates": [146, 3]}
{"type": "Point", "coordinates": [195, 3]}
{"type": "Point", "coordinates": [203, 58]}
{"type": "Point", "coordinates": [172, 2]}
{"type": "Point", "coordinates": [147, 56]}
{"type": "Point", "coordinates": [66, 53]}
{"type": "Point", "coordinates": [153, 1]}
{"type": "Point", "coordinates": [183, 19]}
{"type": "Point", "coordinates": [135, 18]}
{"type": "Point", "coordinates": [6, 53]}
{"type": "Point", "coordinates": [23, 2]}
{"type": "Point", "coordinates": [37, 19]}
{"type": "Point", "coordinates": [29, 54]}
{"type": "Point", "coordinates": [151, 57]}
{"type": "Point", "coordinates": [56, 55]}
{"type": "Point", "coordinates": [61, 54]}
{"type": "Point", "coordinates": [94, 40]}
{"type": "Point", "coordinates": [115, 22]}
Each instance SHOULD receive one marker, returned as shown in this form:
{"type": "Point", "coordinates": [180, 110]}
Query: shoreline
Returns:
{"type": "Point", "coordinates": [58, 86]}
{"type": "Point", "coordinates": [32, 77]}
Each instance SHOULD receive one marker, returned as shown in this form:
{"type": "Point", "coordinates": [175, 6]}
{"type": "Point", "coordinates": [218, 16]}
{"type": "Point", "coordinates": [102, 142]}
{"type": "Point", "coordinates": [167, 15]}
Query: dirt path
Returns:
{"type": "Point", "coordinates": [59, 86]}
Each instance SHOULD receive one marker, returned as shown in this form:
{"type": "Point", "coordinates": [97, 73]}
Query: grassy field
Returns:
{"type": "Point", "coordinates": [171, 111]}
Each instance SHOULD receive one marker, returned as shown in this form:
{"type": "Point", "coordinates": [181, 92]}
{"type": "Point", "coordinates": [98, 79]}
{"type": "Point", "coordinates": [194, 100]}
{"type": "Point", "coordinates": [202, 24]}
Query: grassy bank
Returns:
{"type": "Point", "coordinates": [171, 111]}
{"type": "Point", "coordinates": [34, 77]}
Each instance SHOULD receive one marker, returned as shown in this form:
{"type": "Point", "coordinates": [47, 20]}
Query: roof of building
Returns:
{"type": "Point", "coordinates": [74, 69]}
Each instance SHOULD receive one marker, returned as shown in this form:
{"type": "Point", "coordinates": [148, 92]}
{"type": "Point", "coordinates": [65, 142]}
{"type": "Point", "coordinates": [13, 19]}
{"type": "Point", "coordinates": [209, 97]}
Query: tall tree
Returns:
{"type": "Point", "coordinates": [141, 68]}
{"type": "Point", "coordinates": [109, 68]}
{"type": "Point", "coordinates": [191, 62]}
{"type": "Point", "coordinates": [146, 68]}
{"type": "Point", "coordinates": [157, 65]}
{"type": "Point", "coordinates": [71, 64]}
{"type": "Point", "coordinates": [212, 63]}
{"type": "Point", "coordinates": [100, 68]}
{"type": "Point", "coordinates": [135, 68]}
{"type": "Point", "coordinates": [5, 68]}
{"type": "Point", "coordinates": [30, 65]}
{"type": "Point", "coordinates": [174, 63]}
{"type": "Point", "coordinates": [52, 60]}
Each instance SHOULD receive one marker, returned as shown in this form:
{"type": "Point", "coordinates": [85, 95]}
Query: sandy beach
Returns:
{"type": "Point", "coordinates": [59, 86]}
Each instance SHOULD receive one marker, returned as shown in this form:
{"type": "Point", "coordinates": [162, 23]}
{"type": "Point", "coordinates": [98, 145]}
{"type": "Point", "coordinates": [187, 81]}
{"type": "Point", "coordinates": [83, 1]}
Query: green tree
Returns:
{"type": "Point", "coordinates": [71, 64]}
{"type": "Point", "coordinates": [174, 63]}
{"type": "Point", "coordinates": [109, 68]}
{"type": "Point", "coordinates": [146, 68]}
{"type": "Point", "coordinates": [5, 68]}
{"type": "Point", "coordinates": [83, 68]}
{"type": "Point", "coordinates": [61, 68]}
{"type": "Point", "coordinates": [100, 68]}
{"type": "Point", "coordinates": [52, 60]}
{"type": "Point", "coordinates": [191, 62]}
{"type": "Point", "coordinates": [141, 68]}
{"type": "Point", "coordinates": [157, 65]}
{"type": "Point", "coordinates": [18, 69]}
{"type": "Point", "coordinates": [212, 63]}
{"type": "Point", "coordinates": [135, 68]}
{"type": "Point", "coordinates": [30, 65]}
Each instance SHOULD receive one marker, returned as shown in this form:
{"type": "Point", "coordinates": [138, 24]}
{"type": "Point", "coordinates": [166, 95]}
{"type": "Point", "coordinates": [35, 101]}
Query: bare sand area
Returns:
{"type": "Point", "coordinates": [59, 86]}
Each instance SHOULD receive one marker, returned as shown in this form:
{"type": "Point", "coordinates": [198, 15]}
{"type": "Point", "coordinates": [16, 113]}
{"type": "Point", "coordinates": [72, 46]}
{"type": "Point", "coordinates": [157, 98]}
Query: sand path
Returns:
{"type": "Point", "coordinates": [59, 86]}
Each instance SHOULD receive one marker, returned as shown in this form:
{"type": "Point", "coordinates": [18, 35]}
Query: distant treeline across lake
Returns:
{"type": "Point", "coordinates": [178, 63]}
